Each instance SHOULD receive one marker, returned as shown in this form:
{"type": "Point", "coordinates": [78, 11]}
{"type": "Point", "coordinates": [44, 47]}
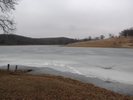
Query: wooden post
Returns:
{"type": "Point", "coordinates": [8, 66]}
{"type": "Point", "coordinates": [16, 68]}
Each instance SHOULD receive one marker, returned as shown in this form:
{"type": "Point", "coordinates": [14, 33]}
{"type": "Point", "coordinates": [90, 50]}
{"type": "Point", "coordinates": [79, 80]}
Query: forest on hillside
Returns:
{"type": "Point", "coordinates": [12, 39]}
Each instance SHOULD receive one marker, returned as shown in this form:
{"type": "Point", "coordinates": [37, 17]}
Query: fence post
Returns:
{"type": "Point", "coordinates": [8, 66]}
{"type": "Point", "coordinates": [16, 68]}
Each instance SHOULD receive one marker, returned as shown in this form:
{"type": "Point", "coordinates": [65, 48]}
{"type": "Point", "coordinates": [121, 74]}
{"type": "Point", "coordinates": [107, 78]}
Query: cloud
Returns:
{"type": "Point", "coordinates": [72, 18]}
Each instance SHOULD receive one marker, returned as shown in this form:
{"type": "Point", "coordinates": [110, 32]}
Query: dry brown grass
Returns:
{"type": "Point", "coordinates": [117, 42]}
{"type": "Point", "coordinates": [22, 86]}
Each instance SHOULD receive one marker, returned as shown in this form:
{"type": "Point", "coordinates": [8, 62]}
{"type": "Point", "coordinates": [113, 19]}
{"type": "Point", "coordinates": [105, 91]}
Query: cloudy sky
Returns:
{"type": "Point", "coordinates": [72, 18]}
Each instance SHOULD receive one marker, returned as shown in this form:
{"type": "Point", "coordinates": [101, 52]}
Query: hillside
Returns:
{"type": "Point", "coordinates": [118, 42]}
{"type": "Point", "coordinates": [22, 86]}
{"type": "Point", "coordinates": [12, 39]}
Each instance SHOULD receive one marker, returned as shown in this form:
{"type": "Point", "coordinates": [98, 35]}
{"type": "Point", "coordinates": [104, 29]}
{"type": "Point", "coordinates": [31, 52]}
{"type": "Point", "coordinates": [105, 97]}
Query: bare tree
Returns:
{"type": "Point", "coordinates": [111, 35]}
{"type": "Point", "coordinates": [96, 38]}
{"type": "Point", "coordinates": [127, 32]}
{"type": "Point", "coordinates": [90, 38]}
{"type": "Point", "coordinates": [102, 37]}
{"type": "Point", "coordinates": [86, 39]}
{"type": "Point", "coordinates": [7, 24]}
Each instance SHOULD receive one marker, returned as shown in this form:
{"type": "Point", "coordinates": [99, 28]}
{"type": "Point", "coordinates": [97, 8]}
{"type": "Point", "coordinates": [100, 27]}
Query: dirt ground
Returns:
{"type": "Point", "coordinates": [22, 86]}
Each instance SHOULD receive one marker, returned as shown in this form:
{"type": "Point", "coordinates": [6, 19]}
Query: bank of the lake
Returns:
{"type": "Point", "coordinates": [116, 42]}
{"type": "Point", "coordinates": [21, 86]}
{"type": "Point", "coordinates": [117, 87]}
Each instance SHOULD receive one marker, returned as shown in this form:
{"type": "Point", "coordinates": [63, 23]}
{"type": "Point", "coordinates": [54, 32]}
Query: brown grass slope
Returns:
{"type": "Point", "coordinates": [116, 42]}
{"type": "Point", "coordinates": [22, 86]}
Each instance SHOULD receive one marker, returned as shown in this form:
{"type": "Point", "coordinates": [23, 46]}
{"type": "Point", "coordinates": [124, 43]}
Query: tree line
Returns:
{"type": "Point", "coordinates": [101, 37]}
{"type": "Point", "coordinates": [12, 39]}
{"type": "Point", "coordinates": [127, 32]}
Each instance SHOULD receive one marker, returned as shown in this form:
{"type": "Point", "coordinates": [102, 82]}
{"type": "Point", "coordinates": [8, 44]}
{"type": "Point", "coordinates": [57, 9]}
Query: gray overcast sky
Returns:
{"type": "Point", "coordinates": [72, 18]}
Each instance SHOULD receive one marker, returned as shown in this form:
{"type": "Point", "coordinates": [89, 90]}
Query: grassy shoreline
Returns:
{"type": "Point", "coordinates": [23, 86]}
{"type": "Point", "coordinates": [116, 42]}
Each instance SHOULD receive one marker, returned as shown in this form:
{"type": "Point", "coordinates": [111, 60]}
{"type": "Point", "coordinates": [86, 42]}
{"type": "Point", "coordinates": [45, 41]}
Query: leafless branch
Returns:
{"type": "Point", "coordinates": [6, 24]}
{"type": "Point", "coordinates": [7, 5]}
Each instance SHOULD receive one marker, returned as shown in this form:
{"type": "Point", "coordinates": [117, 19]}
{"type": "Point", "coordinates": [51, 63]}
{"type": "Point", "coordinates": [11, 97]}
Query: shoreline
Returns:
{"type": "Point", "coordinates": [120, 88]}
{"type": "Point", "coordinates": [98, 46]}
{"type": "Point", "coordinates": [116, 42]}
{"type": "Point", "coordinates": [77, 46]}
{"type": "Point", "coordinates": [30, 45]}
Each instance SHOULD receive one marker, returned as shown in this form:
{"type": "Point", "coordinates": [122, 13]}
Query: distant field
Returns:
{"type": "Point", "coordinates": [116, 42]}
{"type": "Point", "coordinates": [22, 86]}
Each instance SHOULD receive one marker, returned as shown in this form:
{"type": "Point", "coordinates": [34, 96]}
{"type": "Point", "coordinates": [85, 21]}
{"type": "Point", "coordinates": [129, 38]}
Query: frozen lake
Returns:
{"type": "Point", "coordinates": [109, 64]}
